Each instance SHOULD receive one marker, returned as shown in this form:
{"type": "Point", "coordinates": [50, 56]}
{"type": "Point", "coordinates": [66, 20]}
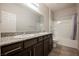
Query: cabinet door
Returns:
{"type": "Point", "coordinates": [50, 42]}
{"type": "Point", "coordinates": [38, 49]}
{"type": "Point", "coordinates": [30, 42]}
{"type": "Point", "coordinates": [46, 47]}
{"type": "Point", "coordinates": [25, 52]}
{"type": "Point", "coordinates": [22, 53]}
{"type": "Point", "coordinates": [10, 50]}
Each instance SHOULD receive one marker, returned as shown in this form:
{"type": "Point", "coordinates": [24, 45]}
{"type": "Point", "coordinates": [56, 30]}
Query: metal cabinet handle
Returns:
{"type": "Point", "coordinates": [12, 50]}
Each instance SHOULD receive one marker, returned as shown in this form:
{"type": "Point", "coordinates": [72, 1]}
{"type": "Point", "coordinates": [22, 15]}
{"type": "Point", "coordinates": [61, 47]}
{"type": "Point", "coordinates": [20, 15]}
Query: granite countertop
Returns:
{"type": "Point", "coordinates": [18, 38]}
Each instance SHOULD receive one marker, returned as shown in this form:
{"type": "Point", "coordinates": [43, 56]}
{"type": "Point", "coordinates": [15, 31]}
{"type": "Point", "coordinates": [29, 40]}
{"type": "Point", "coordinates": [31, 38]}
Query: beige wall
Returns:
{"type": "Point", "coordinates": [44, 10]}
{"type": "Point", "coordinates": [51, 20]}
{"type": "Point", "coordinates": [0, 29]}
{"type": "Point", "coordinates": [63, 31]}
{"type": "Point", "coordinates": [78, 24]}
{"type": "Point", "coordinates": [0, 18]}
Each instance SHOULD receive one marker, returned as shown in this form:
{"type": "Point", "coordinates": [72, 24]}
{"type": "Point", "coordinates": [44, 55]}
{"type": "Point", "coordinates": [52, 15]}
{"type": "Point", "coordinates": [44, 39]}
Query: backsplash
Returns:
{"type": "Point", "coordinates": [6, 34]}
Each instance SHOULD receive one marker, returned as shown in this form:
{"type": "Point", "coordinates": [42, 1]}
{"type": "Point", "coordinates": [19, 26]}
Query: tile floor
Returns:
{"type": "Point", "coordinates": [63, 51]}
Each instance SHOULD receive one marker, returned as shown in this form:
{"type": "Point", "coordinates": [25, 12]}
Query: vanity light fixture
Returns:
{"type": "Point", "coordinates": [34, 6]}
{"type": "Point", "coordinates": [58, 22]}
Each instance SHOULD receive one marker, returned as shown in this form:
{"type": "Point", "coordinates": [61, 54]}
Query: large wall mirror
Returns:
{"type": "Point", "coordinates": [18, 17]}
{"type": "Point", "coordinates": [29, 20]}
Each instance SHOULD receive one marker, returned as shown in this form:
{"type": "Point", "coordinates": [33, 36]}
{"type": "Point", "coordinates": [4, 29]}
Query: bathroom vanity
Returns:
{"type": "Point", "coordinates": [27, 45]}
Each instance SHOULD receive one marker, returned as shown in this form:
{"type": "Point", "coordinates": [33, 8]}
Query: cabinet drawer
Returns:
{"type": "Point", "coordinates": [29, 42]}
{"type": "Point", "coordinates": [45, 37]}
{"type": "Point", "coordinates": [25, 52]}
{"type": "Point", "coordinates": [50, 35]}
{"type": "Point", "coordinates": [40, 38]}
{"type": "Point", "coordinates": [11, 49]}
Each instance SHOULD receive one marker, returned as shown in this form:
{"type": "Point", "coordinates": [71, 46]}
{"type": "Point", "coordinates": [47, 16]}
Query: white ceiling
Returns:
{"type": "Point", "coordinates": [59, 6]}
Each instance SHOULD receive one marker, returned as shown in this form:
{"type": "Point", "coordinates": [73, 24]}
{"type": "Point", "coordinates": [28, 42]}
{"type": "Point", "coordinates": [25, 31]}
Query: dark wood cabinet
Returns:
{"type": "Point", "coordinates": [25, 52]}
{"type": "Point", "coordinates": [11, 49]}
{"type": "Point", "coordinates": [39, 46]}
{"type": "Point", "coordinates": [22, 53]}
{"type": "Point", "coordinates": [30, 42]}
{"type": "Point", "coordinates": [38, 49]}
{"type": "Point", "coordinates": [50, 42]}
{"type": "Point", "coordinates": [46, 47]}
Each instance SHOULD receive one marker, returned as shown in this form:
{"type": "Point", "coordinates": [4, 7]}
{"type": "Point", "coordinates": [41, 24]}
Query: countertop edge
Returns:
{"type": "Point", "coordinates": [22, 40]}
